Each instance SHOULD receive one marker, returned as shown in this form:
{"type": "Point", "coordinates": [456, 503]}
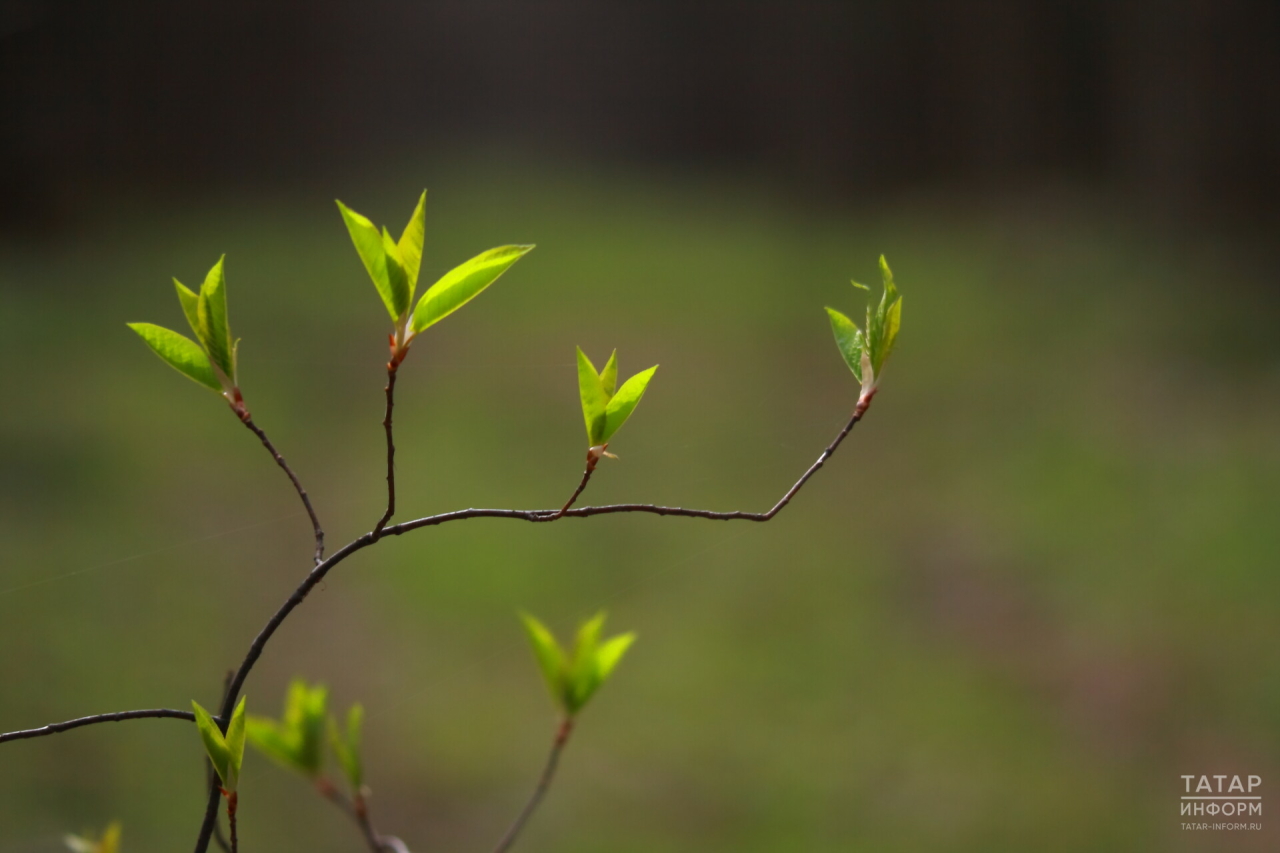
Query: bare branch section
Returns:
{"type": "Point", "coordinates": [115, 717]}
{"type": "Point", "coordinates": [393, 368]}
{"type": "Point", "coordinates": [293, 478]}
{"type": "Point", "coordinates": [544, 784]}
{"type": "Point", "coordinates": [593, 458]}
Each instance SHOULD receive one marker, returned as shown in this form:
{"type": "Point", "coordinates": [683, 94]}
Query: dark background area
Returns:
{"type": "Point", "coordinates": [1175, 103]}
{"type": "Point", "coordinates": [1036, 586]}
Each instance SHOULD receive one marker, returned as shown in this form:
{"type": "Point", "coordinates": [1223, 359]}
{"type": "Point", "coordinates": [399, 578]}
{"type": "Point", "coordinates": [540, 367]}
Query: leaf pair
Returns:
{"type": "Point", "coordinates": [394, 265]}
{"type": "Point", "coordinates": [604, 409]}
{"type": "Point", "coordinates": [296, 740]}
{"type": "Point", "coordinates": [866, 351]}
{"type": "Point", "coordinates": [226, 751]}
{"type": "Point", "coordinates": [109, 842]}
{"type": "Point", "coordinates": [574, 678]}
{"type": "Point", "coordinates": [212, 361]}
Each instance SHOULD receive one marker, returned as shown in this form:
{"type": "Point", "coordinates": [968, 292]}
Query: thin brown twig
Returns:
{"type": "Point", "coordinates": [592, 459]}
{"type": "Point", "coordinates": [393, 368]}
{"type": "Point", "coordinates": [540, 791]}
{"type": "Point", "coordinates": [114, 717]}
{"type": "Point", "coordinates": [358, 811]}
{"type": "Point", "coordinates": [232, 802]}
{"type": "Point", "coordinates": [293, 478]}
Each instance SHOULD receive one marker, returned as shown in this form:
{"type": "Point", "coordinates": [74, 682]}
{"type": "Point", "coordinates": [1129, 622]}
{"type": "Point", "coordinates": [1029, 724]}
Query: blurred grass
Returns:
{"type": "Point", "coordinates": [1035, 587]}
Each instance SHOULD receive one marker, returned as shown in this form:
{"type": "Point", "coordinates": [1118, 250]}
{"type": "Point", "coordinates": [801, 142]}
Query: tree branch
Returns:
{"type": "Point", "coordinates": [544, 783]}
{"type": "Point", "coordinates": [114, 717]}
{"type": "Point", "coordinates": [393, 368]}
{"type": "Point", "coordinates": [322, 568]}
{"type": "Point", "coordinates": [538, 515]}
{"type": "Point", "coordinates": [302, 493]}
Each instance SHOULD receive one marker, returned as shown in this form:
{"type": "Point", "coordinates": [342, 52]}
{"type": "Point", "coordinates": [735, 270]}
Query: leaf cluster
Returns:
{"type": "Point", "coordinates": [866, 351]}
{"type": "Point", "coordinates": [573, 677]}
{"type": "Point", "coordinates": [393, 265]}
{"type": "Point", "coordinates": [296, 741]}
{"type": "Point", "coordinates": [209, 360]}
{"type": "Point", "coordinates": [605, 409]}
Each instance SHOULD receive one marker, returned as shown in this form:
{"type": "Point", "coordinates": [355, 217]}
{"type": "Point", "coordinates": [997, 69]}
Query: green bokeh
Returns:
{"type": "Point", "coordinates": [1036, 586]}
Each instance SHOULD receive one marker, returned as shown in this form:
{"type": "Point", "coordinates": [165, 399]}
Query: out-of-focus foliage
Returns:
{"type": "Point", "coordinates": [573, 676]}
{"type": "Point", "coordinates": [296, 740]}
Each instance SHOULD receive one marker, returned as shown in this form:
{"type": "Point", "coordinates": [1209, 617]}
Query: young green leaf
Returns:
{"type": "Point", "coordinates": [274, 741]}
{"type": "Point", "coordinates": [595, 399]}
{"type": "Point", "coordinates": [849, 340]}
{"type": "Point", "coordinates": [235, 744]}
{"type": "Point", "coordinates": [609, 376]}
{"type": "Point", "coordinates": [622, 404]}
{"type": "Point", "coordinates": [215, 744]}
{"type": "Point", "coordinates": [463, 283]}
{"type": "Point", "coordinates": [190, 306]}
{"type": "Point", "coordinates": [396, 278]}
{"type": "Point", "coordinates": [610, 653]}
{"type": "Point", "coordinates": [347, 749]}
{"type": "Point", "coordinates": [211, 312]}
{"type": "Point", "coordinates": [179, 352]}
{"type": "Point", "coordinates": [546, 651]}
{"type": "Point", "coordinates": [410, 244]}
{"type": "Point", "coordinates": [370, 248]}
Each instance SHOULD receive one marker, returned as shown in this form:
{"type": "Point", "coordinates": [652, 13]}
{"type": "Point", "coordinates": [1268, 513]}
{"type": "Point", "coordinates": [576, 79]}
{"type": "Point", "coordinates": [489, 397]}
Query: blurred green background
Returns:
{"type": "Point", "coordinates": [1034, 588]}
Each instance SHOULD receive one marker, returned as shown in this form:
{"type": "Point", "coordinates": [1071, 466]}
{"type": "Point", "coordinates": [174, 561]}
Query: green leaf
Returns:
{"type": "Point", "coordinates": [179, 352]}
{"type": "Point", "coordinates": [347, 750]}
{"type": "Point", "coordinates": [410, 244]}
{"type": "Point", "coordinates": [594, 399]}
{"type": "Point", "coordinates": [211, 311]}
{"type": "Point", "coordinates": [190, 306]}
{"type": "Point", "coordinates": [272, 740]}
{"type": "Point", "coordinates": [550, 658]}
{"type": "Point", "coordinates": [215, 744]}
{"type": "Point", "coordinates": [369, 245]}
{"type": "Point", "coordinates": [306, 711]}
{"type": "Point", "coordinates": [582, 669]}
{"type": "Point", "coordinates": [622, 404]}
{"type": "Point", "coordinates": [463, 283]}
{"type": "Point", "coordinates": [609, 376]}
{"type": "Point", "coordinates": [888, 318]}
{"type": "Point", "coordinates": [396, 278]}
{"type": "Point", "coordinates": [610, 653]}
{"type": "Point", "coordinates": [235, 744]}
{"type": "Point", "coordinates": [849, 339]}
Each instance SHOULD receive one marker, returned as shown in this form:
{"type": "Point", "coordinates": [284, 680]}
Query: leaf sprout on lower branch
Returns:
{"type": "Point", "coordinates": [574, 677]}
